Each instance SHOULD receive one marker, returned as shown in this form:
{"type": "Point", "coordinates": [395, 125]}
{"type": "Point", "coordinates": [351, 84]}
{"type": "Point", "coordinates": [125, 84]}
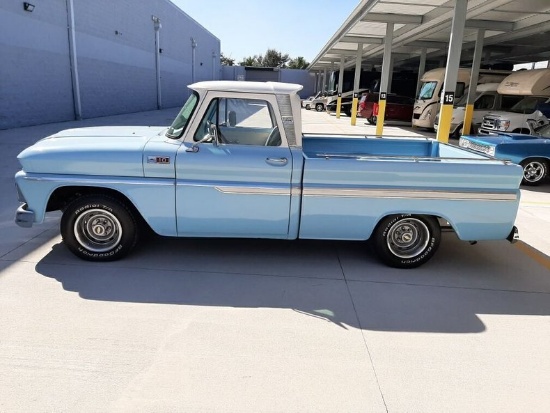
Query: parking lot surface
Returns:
{"type": "Point", "coordinates": [212, 325]}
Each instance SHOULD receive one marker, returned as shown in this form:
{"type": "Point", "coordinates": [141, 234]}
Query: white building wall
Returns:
{"type": "Point", "coordinates": [115, 44]}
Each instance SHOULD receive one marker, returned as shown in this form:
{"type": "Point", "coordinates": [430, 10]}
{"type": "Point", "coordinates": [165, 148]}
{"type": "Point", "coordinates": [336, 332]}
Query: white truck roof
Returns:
{"type": "Point", "coordinates": [247, 87]}
{"type": "Point", "coordinates": [534, 82]}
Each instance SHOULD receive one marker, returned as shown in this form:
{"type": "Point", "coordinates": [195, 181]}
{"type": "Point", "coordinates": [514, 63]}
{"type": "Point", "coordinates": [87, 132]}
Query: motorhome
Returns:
{"type": "Point", "coordinates": [530, 112]}
{"type": "Point", "coordinates": [427, 103]}
{"type": "Point", "coordinates": [487, 99]}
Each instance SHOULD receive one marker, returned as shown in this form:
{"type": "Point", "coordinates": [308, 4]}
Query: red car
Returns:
{"type": "Point", "coordinates": [397, 107]}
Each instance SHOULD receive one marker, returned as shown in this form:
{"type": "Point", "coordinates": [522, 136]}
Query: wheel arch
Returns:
{"type": "Point", "coordinates": [63, 195]}
{"type": "Point", "coordinates": [429, 214]}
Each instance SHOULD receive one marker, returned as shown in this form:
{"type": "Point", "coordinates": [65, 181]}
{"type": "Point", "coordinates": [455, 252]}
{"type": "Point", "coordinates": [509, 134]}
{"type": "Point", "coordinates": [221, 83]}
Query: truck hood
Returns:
{"type": "Point", "coordinates": [105, 150]}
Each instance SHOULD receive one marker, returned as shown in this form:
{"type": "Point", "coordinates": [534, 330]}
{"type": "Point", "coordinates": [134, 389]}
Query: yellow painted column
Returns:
{"type": "Point", "coordinates": [381, 114]}
{"type": "Point", "coordinates": [338, 104]}
{"type": "Point", "coordinates": [468, 115]}
{"type": "Point", "coordinates": [445, 116]}
{"type": "Point", "coordinates": [354, 110]}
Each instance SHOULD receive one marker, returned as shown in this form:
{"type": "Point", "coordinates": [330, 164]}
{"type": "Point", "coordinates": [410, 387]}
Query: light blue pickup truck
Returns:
{"type": "Point", "coordinates": [234, 163]}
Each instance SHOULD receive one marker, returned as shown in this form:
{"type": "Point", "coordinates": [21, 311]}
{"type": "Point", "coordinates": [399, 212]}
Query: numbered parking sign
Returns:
{"type": "Point", "coordinates": [448, 98]}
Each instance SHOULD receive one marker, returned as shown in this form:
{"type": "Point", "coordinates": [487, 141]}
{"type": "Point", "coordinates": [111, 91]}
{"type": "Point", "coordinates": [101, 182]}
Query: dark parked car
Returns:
{"type": "Point", "coordinates": [397, 107]}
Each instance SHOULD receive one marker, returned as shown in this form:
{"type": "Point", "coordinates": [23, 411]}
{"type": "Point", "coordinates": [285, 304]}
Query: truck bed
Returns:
{"type": "Point", "coordinates": [350, 183]}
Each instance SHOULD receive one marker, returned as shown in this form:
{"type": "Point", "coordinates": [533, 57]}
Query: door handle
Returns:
{"type": "Point", "coordinates": [276, 161]}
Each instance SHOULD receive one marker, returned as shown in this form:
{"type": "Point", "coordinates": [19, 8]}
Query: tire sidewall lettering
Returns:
{"type": "Point", "coordinates": [92, 206]}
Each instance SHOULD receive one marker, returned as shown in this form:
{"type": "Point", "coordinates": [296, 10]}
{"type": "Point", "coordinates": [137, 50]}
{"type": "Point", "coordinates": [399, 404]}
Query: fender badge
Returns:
{"type": "Point", "coordinates": [159, 159]}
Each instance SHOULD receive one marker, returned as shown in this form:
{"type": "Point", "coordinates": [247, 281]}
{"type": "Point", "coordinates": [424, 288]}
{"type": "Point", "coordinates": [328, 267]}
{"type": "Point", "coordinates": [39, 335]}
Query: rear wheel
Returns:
{"type": "Point", "coordinates": [534, 171]}
{"type": "Point", "coordinates": [319, 107]}
{"type": "Point", "coordinates": [99, 228]}
{"type": "Point", "coordinates": [406, 241]}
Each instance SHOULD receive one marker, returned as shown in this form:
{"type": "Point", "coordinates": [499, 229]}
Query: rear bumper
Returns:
{"type": "Point", "coordinates": [23, 217]}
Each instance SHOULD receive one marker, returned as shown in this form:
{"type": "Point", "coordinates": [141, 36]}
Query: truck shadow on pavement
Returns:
{"type": "Point", "coordinates": [340, 282]}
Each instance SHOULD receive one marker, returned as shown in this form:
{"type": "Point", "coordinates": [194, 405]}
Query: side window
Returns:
{"type": "Point", "coordinates": [241, 122]}
{"type": "Point", "coordinates": [485, 102]}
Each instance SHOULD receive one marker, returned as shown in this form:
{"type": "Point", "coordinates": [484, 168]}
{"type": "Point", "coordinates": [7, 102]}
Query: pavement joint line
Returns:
{"type": "Point", "coordinates": [453, 287]}
{"type": "Point", "coordinates": [362, 330]}
{"type": "Point", "coordinates": [534, 254]}
{"type": "Point", "coordinates": [96, 265]}
{"type": "Point", "coordinates": [23, 244]}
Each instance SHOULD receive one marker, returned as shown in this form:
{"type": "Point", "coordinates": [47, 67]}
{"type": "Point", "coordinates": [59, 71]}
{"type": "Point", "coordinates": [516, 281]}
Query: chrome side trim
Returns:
{"type": "Point", "coordinates": [98, 180]}
{"type": "Point", "coordinates": [409, 194]}
{"type": "Point", "coordinates": [244, 190]}
{"type": "Point", "coordinates": [362, 157]}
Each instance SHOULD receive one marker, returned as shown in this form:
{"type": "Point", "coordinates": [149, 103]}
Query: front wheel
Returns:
{"type": "Point", "coordinates": [99, 228]}
{"type": "Point", "coordinates": [406, 241]}
{"type": "Point", "coordinates": [319, 107]}
{"type": "Point", "coordinates": [534, 171]}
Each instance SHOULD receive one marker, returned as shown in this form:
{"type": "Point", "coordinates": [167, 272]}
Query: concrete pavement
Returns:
{"type": "Point", "coordinates": [197, 325]}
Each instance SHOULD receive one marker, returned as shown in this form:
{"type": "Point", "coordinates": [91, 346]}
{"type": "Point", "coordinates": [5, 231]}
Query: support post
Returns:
{"type": "Point", "coordinates": [421, 69]}
{"type": "Point", "coordinates": [469, 112]}
{"type": "Point", "coordinates": [386, 60]}
{"type": "Point", "coordinates": [356, 81]}
{"type": "Point", "coordinates": [340, 81]}
{"type": "Point", "coordinates": [451, 72]}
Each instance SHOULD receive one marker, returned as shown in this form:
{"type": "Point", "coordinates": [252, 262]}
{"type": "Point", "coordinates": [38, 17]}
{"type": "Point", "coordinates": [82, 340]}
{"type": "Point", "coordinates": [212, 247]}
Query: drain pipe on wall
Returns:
{"type": "Point", "coordinates": [193, 47]}
{"type": "Point", "coordinates": [73, 61]}
{"type": "Point", "coordinates": [158, 26]}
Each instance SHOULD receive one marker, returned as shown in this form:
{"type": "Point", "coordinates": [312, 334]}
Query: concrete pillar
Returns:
{"type": "Point", "coordinates": [356, 81]}
{"type": "Point", "coordinates": [386, 60]}
{"type": "Point", "coordinates": [421, 69]}
{"type": "Point", "coordinates": [451, 72]}
{"type": "Point", "coordinates": [340, 86]}
{"type": "Point", "coordinates": [469, 112]}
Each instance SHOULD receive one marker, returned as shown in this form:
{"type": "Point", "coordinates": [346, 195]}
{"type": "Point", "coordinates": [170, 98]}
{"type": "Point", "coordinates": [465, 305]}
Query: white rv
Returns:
{"type": "Point", "coordinates": [530, 112]}
{"type": "Point", "coordinates": [487, 99]}
{"type": "Point", "coordinates": [427, 102]}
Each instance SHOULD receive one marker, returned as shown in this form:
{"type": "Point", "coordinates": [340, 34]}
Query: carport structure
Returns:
{"type": "Point", "coordinates": [421, 34]}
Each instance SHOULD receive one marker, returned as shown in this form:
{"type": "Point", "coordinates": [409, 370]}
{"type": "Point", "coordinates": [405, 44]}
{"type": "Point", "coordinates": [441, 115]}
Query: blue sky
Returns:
{"type": "Point", "coordinates": [249, 27]}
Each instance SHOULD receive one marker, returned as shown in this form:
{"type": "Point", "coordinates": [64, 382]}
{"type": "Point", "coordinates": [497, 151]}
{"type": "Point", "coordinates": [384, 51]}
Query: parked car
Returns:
{"type": "Point", "coordinates": [306, 103]}
{"type": "Point", "coordinates": [346, 102]}
{"type": "Point", "coordinates": [532, 152]}
{"type": "Point", "coordinates": [319, 103]}
{"type": "Point", "coordinates": [397, 107]}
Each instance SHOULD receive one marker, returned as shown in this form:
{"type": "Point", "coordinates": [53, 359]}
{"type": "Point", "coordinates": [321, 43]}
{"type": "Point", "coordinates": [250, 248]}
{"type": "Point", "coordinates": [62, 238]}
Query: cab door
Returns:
{"type": "Point", "coordinates": [233, 171]}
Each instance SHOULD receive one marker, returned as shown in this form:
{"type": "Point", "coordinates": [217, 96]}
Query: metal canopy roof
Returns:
{"type": "Point", "coordinates": [515, 32]}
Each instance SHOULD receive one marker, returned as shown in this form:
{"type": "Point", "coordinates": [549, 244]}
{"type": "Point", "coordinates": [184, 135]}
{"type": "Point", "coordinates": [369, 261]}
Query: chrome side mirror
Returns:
{"type": "Point", "coordinates": [213, 133]}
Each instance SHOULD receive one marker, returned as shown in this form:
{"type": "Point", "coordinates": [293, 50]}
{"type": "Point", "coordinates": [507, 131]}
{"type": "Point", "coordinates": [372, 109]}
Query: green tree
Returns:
{"type": "Point", "coordinates": [298, 63]}
{"type": "Point", "coordinates": [226, 61]}
{"type": "Point", "coordinates": [274, 58]}
{"type": "Point", "coordinates": [255, 60]}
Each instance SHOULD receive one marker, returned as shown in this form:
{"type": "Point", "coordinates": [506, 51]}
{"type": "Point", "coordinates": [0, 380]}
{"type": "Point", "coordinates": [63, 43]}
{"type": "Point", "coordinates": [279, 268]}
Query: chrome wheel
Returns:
{"type": "Point", "coordinates": [534, 172]}
{"type": "Point", "coordinates": [407, 238]}
{"type": "Point", "coordinates": [97, 230]}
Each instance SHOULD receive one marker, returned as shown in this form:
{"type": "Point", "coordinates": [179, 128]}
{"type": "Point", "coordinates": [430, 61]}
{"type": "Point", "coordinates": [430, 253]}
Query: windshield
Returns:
{"type": "Point", "coordinates": [178, 126]}
{"type": "Point", "coordinates": [528, 104]}
{"type": "Point", "coordinates": [427, 90]}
